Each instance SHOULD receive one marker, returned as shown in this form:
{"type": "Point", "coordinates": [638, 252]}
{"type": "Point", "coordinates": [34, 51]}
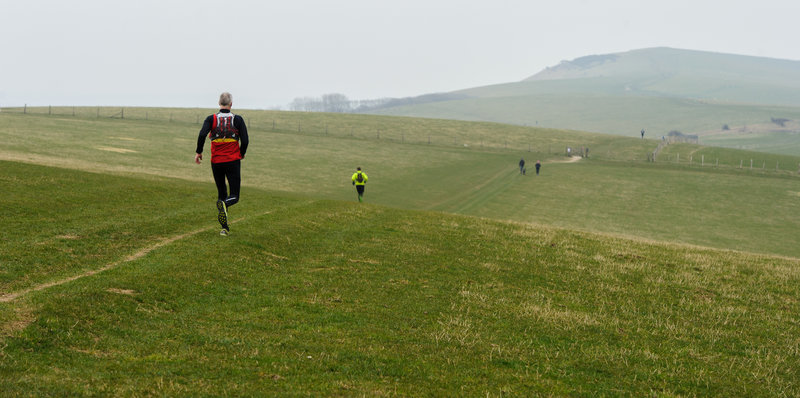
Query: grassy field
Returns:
{"type": "Point", "coordinates": [614, 191]}
{"type": "Point", "coordinates": [607, 275]}
{"type": "Point", "coordinates": [330, 298]}
{"type": "Point", "coordinates": [625, 115]}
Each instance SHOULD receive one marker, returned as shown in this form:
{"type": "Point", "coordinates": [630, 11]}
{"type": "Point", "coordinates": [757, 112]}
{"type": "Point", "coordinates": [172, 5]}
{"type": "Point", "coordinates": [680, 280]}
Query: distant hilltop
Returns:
{"type": "Point", "coordinates": [724, 99]}
{"type": "Point", "coordinates": [647, 67]}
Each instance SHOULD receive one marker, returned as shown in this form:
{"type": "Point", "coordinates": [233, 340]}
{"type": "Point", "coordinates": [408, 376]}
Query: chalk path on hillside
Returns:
{"type": "Point", "coordinates": [135, 256]}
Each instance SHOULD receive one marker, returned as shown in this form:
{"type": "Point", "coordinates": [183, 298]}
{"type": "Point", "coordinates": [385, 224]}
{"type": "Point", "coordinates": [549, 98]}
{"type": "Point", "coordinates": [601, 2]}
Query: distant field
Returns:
{"type": "Point", "coordinates": [613, 191]}
{"type": "Point", "coordinates": [780, 142]}
{"type": "Point", "coordinates": [658, 116]}
{"type": "Point", "coordinates": [329, 298]}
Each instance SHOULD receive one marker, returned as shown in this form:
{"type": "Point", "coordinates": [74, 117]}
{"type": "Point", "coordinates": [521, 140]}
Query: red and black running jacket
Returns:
{"type": "Point", "coordinates": [228, 135]}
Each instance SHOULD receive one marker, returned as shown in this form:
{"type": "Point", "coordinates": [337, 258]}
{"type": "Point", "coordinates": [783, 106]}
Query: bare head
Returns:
{"type": "Point", "coordinates": [225, 100]}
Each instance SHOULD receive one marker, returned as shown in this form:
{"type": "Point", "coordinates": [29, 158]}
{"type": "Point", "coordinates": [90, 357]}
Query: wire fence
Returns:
{"type": "Point", "coordinates": [483, 135]}
{"type": "Point", "coordinates": [385, 129]}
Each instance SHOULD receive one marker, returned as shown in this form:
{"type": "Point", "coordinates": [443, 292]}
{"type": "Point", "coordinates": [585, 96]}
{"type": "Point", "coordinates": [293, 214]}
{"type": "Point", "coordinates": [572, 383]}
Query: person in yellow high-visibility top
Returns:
{"type": "Point", "coordinates": [359, 180]}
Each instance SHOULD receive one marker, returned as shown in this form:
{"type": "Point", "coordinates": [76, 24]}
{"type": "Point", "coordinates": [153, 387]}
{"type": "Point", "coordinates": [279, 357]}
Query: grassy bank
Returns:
{"type": "Point", "coordinates": [614, 191]}
{"type": "Point", "coordinates": [317, 297]}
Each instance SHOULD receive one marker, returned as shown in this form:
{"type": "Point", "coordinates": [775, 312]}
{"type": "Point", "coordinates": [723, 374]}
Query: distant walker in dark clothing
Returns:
{"type": "Point", "coordinates": [538, 166]}
{"type": "Point", "coordinates": [522, 166]}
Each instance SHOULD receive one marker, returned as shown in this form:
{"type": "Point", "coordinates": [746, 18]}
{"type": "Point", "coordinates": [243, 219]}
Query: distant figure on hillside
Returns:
{"type": "Point", "coordinates": [359, 180]}
{"type": "Point", "coordinates": [522, 166]}
{"type": "Point", "coordinates": [229, 141]}
{"type": "Point", "coordinates": [642, 133]}
{"type": "Point", "coordinates": [538, 166]}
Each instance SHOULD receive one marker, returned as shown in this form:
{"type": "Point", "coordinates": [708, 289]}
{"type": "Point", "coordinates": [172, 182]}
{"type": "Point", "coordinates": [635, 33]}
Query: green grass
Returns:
{"type": "Point", "coordinates": [320, 297]}
{"type": "Point", "coordinates": [780, 142]}
{"type": "Point", "coordinates": [622, 114]}
{"type": "Point", "coordinates": [614, 191]}
{"type": "Point", "coordinates": [721, 208]}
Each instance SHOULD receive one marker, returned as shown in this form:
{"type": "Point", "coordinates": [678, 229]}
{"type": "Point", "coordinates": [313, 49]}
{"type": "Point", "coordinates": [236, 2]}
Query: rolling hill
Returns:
{"type": "Point", "coordinates": [606, 275]}
{"type": "Point", "coordinates": [727, 100]}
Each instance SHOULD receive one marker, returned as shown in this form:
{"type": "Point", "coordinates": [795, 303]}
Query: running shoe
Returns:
{"type": "Point", "coordinates": [222, 217]}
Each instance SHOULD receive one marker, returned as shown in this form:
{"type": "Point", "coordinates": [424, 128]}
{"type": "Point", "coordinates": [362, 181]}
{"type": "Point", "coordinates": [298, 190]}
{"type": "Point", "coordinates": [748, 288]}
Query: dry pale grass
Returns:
{"type": "Point", "coordinates": [116, 150]}
{"type": "Point", "coordinates": [126, 292]}
{"type": "Point", "coordinates": [21, 318]}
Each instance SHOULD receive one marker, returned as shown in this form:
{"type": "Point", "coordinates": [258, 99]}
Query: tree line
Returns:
{"type": "Point", "coordinates": [335, 103]}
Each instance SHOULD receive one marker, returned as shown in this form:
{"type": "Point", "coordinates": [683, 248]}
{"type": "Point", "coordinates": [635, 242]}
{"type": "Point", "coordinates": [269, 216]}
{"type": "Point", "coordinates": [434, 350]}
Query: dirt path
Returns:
{"type": "Point", "coordinates": [572, 159]}
{"type": "Point", "coordinates": [135, 256]}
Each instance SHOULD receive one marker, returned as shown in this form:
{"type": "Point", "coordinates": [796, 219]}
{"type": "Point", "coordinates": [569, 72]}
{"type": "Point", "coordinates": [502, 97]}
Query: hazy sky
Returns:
{"type": "Point", "coordinates": [185, 52]}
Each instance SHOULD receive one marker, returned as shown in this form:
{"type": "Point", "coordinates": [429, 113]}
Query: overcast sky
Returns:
{"type": "Point", "coordinates": [183, 53]}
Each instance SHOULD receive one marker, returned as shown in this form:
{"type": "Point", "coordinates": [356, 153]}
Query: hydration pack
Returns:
{"type": "Point", "coordinates": [222, 127]}
{"type": "Point", "coordinates": [360, 177]}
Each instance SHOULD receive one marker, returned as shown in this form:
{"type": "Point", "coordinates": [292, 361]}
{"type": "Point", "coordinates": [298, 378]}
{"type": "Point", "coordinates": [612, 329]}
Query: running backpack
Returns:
{"type": "Point", "coordinates": [222, 127]}
{"type": "Point", "coordinates": [360, 177]}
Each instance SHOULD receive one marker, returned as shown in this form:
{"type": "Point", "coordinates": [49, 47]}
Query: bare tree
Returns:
{"type": "Point", "coordinates": [335, 102]}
